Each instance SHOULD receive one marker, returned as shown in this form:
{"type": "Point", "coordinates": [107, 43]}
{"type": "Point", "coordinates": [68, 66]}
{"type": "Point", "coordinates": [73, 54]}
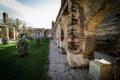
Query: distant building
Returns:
{"type": "Point", "coordinates": [41, 32]}
{"type": "Point", "coordinates": [6, 30]}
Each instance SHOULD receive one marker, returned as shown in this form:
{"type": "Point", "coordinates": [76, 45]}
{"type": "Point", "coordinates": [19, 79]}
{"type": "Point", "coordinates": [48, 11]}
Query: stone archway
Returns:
{"type": "Point", "coordinates": [62, 38]}
{"type": "Point", "coordinates": [62, 34]}
{"type": "Point", "coordinates": [11, 33]}
{"type": "Point", "coordinates": [58, 35]}
{"type": "Point", "coordinates": [81, 19]}
{"type": "Point", "coordinates": [85, 16]}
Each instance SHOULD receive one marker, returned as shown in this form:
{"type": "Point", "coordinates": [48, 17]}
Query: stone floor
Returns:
{"type": "Point", "coordinates": [59, 68]}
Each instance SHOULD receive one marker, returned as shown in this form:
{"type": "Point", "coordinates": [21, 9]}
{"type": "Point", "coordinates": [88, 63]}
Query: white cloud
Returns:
{"type": "Point", "coordinates": [40, 16]}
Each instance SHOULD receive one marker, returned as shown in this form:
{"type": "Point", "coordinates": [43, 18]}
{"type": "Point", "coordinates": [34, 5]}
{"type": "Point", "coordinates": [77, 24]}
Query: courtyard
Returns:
{"type": "Point", "coordinates": [44, 62]}
{"type": "Point", "coordinates": [34, 66]}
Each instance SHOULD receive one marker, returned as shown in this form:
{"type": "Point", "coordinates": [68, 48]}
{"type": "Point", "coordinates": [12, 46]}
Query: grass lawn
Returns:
{"type": "Point", "coordinates": [34, 66]}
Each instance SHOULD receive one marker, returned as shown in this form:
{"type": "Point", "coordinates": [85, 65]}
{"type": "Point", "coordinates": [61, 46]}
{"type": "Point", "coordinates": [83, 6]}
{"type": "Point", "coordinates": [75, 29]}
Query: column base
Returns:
{"type": "Point", "coordinates": [62, 50]}
{"type": "Point", "coordinates": [77, 60]}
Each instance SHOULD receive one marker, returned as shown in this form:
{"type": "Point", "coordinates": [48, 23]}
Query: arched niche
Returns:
{"type": "Point", "coordinates": [62, 34]}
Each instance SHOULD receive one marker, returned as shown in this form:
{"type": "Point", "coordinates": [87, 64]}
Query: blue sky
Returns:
{"type": "Point", "coordinates": [37, 13]}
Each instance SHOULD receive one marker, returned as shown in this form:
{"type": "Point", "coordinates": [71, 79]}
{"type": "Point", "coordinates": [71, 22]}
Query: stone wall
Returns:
{"type": "Point", "coordinates": [108, 35]}
{"type": "Point", "coordinates": [95, 13]}
{"type": "Point", "coordinates": [82, 20]}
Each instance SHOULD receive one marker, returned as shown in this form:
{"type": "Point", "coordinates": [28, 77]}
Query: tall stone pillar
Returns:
{"type": "Point", "coordinates": [75, 52]}
{"type": "Point", "coordinates": [5, 18]}
{"type": "Point", "coordinates": [5, 29]}
{"type": "Point", "coordinates": [14, 34]}
{"type": "Point", "coordinates": [7, 33]}
{"type": "Point", "coordinates": [2, 32]}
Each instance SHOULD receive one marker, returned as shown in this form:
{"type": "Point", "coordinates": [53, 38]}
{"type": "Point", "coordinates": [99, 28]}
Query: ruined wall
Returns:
{"type": "Point", "coordinates": [80, 20]}
{"type": "Point", "coordinates": [86, 16]}
{"type": "Point", "coordinates": [95, 12]}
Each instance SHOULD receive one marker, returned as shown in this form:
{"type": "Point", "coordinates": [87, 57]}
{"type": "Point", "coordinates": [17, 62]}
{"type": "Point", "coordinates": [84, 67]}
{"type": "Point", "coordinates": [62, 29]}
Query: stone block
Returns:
{"type": "Point", "coordinates": [100, 69]}
{"type": "Point", "coordinates": [77, 60]}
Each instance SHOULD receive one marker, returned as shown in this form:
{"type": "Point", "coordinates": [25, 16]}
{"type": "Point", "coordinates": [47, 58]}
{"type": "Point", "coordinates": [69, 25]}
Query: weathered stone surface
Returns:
{"type": "Point", "coordinates": [108, 35]}
{"type": "Point", "coordinates": [81, 23]}
{"type": "Point", "coordinates": [77, 60]}
{"type": "Point", "coordinates": [75, 52]}
{"type": "Point", "coordinates": [100, 70]}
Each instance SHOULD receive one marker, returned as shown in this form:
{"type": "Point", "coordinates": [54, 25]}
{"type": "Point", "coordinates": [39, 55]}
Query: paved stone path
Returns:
{"type": "Point", "coordinates": [59, 68]}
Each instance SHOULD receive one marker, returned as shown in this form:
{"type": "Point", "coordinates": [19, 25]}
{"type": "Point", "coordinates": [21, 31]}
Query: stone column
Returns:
{"type": "Point", "coordinates": [14, 34]}
{"type": "Point", "coordinates": [75, 52]}
{"type": "Point", "coordinates": [7, 33]}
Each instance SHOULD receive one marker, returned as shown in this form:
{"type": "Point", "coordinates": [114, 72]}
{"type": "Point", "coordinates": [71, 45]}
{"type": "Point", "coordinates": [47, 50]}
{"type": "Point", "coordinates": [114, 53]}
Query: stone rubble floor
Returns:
{"type": "Point", "coordinates": [59, 68]}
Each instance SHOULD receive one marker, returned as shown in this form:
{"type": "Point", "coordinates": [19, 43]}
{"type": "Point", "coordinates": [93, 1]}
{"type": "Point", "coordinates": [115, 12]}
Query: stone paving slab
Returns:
{"type": "Point", "coordinates": [59, 68]}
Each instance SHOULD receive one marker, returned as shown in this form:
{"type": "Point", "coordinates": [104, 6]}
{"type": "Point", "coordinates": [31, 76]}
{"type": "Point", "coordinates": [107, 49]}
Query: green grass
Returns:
{"type": "Point", "coordinates": [34, 66]}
